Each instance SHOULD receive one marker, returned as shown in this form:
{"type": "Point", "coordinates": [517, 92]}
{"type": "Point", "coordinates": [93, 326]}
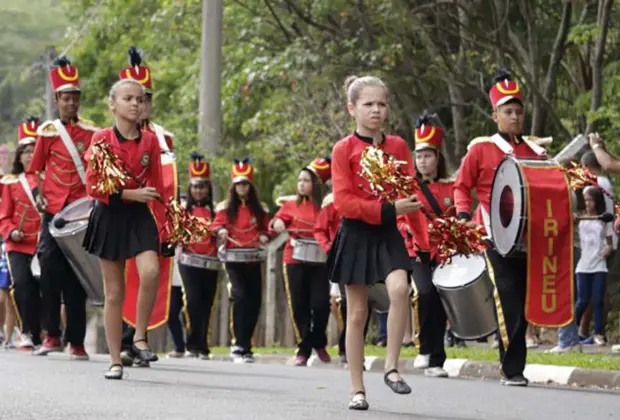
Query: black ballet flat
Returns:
{"type": "Point", "coordinates": [114, 372]}
{"type": "Point", "coordinates": [399, 386]}
{"type": "Point", "coordinates": [359, 404]}
{"type": "Point", "coordinates": [145, 355]}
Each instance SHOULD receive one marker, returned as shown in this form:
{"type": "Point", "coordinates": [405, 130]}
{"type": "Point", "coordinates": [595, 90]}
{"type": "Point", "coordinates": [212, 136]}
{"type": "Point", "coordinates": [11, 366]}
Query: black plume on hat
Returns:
{"type": "Point", "coordinates": [196, 156]}
{"type": "Point", "coordinates": [135, 57]}
{"type": "Point", "coordinates": [502, 74]}
{"type": "Point", "coordinates": [424, 119]}
{"type": "Point", "coordinates": [32, 119]}
{"type": "Point", "coordinates": [62, 61]}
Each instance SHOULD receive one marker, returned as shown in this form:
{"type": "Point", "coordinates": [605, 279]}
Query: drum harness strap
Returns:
{"type": "Point", "coordinates": [70, 146]}
{"type": "Point", "coordinates": [430, 198]}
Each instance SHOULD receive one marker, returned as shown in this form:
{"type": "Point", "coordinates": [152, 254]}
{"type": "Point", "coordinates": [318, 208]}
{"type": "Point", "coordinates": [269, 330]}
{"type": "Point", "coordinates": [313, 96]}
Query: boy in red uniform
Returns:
{"type": "Point", "coordinates": [59, 151]}
{"type": "Point", "coordinates": [477, 172]}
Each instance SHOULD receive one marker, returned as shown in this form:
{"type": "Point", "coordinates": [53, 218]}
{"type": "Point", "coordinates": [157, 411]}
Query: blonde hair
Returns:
{"type": "Point", "coordinates": [353, 86]}
{"type": "Point", "coordinates": [123, 82]}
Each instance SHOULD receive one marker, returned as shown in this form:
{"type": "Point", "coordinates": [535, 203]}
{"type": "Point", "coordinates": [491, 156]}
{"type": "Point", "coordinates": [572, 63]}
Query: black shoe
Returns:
{"type": "Point", "coordinates": [127, 358]}
{"type": "Point", "coordinates": [359, 404]}
{"type": "Point", "coordinates": [145, 355]}
{"type": "Point", "coordinates": [460, 343]}
{"type": "Point", "coordinates": [114, 372]}
{"type": "Point", "coordinates": [516, 380]}
{"type": "Point", "coordinates": [399, 386]}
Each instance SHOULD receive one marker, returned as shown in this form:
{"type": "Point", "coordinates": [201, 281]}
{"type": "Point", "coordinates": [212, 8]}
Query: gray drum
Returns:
{"type": "Point", "coordinates": [241, 255]}
{"type": "Point", "coordinates": [466, 292]}
{"type": "Point", "coordinates": [69, 238]}
{"type": "Point", "coordinates": [308, 250]}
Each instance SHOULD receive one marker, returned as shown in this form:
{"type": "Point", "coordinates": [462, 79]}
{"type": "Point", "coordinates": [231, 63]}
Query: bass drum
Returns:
{"type": "Point", "coordinates": [466, 292]}
{"type": "Point", "coordinates": [68, 228]}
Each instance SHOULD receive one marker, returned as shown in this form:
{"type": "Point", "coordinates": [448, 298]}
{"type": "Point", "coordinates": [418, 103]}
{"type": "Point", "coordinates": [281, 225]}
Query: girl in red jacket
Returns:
{"type": "Point", "coordinates": [198, 264]}
{"type": "Point", "coordinates": [306, 283]}
{"type": "Point", "coordinates": [369, 247]}
{"type": "Point", "coordinates": [241, 226]}
{"type": "Point", "coordinates": [121, 226]}
{"type": "Point", "coordinates": [20, 225]}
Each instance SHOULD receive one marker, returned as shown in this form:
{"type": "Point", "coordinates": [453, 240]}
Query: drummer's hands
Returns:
{"type": "Point", "coordinates": [16, 235]}
{"type": "Point", "coordinates": [407, 205]}
{"type": "Point", "coordinates": [222, 235]}
{"type": "Point", "coordinates": [278, 226]}
{"type": "Point", "coordinates": [41, 204]}
{"type": "Point", "coordinates": [595, 139]}
{"type": "Point", "coordinates": [263, 239]}
{"type": "Point", "coordinates": [141, 195]}
{"type": "Point", "coordinates": [606, 251]}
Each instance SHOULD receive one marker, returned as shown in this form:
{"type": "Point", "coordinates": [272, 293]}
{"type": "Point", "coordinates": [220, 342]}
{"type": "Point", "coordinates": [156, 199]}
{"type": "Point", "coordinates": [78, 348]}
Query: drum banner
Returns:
{"type": "Point", "coordinates": [161, 309]}
{"type": "Point", "coordinates": [550, 292]}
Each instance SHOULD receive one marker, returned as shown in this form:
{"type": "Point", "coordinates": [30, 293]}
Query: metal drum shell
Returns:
{"type": "Point", "coordinates": [468, 299]}
{"type": "Point", "coordinates": [242, 255]}
{"type": "Point", "coordinates": [308, 251]}
{"type": "Point", "coordinates": [204, 262]}
{"type": "Point", "coordinates": [70, 239]}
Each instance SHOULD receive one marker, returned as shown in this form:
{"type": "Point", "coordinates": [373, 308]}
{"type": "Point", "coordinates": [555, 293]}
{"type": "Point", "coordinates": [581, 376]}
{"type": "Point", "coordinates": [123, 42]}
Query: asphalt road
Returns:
{"type": "Point", "coordinates": [53, 387]}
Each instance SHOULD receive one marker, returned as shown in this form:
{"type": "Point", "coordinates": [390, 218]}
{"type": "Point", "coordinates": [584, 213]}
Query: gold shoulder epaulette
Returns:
{"type": "Point", "coordinates": [478, 140]}
{"type": "Point", "coordinates": [222, 205]}
{"type": "Point", "coordinates": [9, 179]}
{"type": "Point", "coordinates": [47, 129]}
{"type": "Point", "coordinates": [285, 198]}
{"type": "Point", "coordinates": [541, 141]}
{"type": "Point", "coordinates": [87, 125]}
{"type": "Point", "coordinates": [329, 199]}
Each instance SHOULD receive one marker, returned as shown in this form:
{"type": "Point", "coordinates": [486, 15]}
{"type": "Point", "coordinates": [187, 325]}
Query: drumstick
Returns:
{"type": "Point", "coordinates": [40, 187]}
{"type": "Point", "coordinates": [605, 217]}
{"type": "Point", "coordinates": [21, 222]}
{"type": "Point", "coordinates": [61, 222]}
{"type": "Point", "coordinates": [234, 241]}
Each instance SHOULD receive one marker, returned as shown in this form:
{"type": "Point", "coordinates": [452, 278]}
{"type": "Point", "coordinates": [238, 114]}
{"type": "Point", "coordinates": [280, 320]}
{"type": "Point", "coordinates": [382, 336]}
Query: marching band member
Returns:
{"type": "Point", "coordinates": [59, 151]}
{"type": "Point", "coordinates": [437, 197]}
{"type": "Point", "coordinates": [306, 283]}
{"type": "Point", "coordinates": [476, 172]}
{"type": "Point", "coordinates": [121, 225]}
{"type": "Point", "coordinates": [199, 284]}
{"type": "Point", "coordinates": [241, 221]}
{"type": "Point", "coordinates": [369, 247]}
{"type": "Point", "coordinates": [142, 74]}
{"type": "Point", "coordinates": [20, 225]}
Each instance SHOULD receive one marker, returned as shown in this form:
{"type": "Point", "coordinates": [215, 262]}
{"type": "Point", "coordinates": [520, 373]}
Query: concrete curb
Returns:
{"type": "Point", "coordinates": [471, 369]}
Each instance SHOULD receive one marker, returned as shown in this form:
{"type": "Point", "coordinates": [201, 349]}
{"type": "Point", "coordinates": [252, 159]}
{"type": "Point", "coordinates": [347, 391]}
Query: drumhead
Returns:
{"type": "Point", "coordinates": [77, 209]}
{"type": "Point", "coordinates": [460, 272]}
{"type": "Point", "coordinates": [507, 206]}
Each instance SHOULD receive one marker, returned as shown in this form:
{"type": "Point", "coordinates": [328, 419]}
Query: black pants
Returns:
{"type": "Point", "coordinates": [308, 293]}
{"type": "Point", "coordinates": [26, 292]}
{"type": "Point", "coordinates": [175, 326]}
{"type": "Point", "coordinates": [247, 291]}
{"type": "Point", "coordinates": [342, 306]}
{"type": "Point", "coordinates": [59, 280]}
{"type": "Point", "coordinates": [200, 287]}
{"type": "Point", "coordinates": [509, 275]}
{"type": "Point", "coordinates": [429, 313]}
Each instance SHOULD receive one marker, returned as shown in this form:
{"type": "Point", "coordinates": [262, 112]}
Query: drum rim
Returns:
{"type": "Point", "coordinates": [77, 227]}
{"type": "Point", "coordinates": [522, 224]}
{"type": "Point", "coordinates": [462, 286]}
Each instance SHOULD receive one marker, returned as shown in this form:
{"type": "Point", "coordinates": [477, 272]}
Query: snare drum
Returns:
{"type": "Point", "coordinates": [308, 250]}
{"type": "Point", "coordinates": [242, 255]}
{"type": "Point", "coordinates": [466, 293]}
{"type": "Point", "coordinates": [508, 218]}
{"type": "Point", "coordinates": [200, 261]}
{"type": "Point", "coordinates": [70, 238]}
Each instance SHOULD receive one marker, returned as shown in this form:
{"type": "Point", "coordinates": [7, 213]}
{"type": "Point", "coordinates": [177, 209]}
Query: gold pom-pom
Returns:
{"type": "Point", "coordinates": [385, 175]}
{"type": "Point", "coordinates": [107, 173]}
{"type": "Point", "coordinates": [183, 228]}
{"type": "Point", "coordinates": [454, 237]}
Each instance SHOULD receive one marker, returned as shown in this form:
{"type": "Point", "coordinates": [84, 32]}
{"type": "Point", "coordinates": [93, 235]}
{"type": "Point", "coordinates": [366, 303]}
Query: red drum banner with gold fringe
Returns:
{"type": "Point", "coordinates": [550, 269]}
{"type": "Point", "coordinates": [161, 309]}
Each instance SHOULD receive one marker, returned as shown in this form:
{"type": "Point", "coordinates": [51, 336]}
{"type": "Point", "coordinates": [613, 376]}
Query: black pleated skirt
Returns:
{"type": "Point", "coordinates": [366, 254]}
{"type": "Point", "coordinates": [120, 231]}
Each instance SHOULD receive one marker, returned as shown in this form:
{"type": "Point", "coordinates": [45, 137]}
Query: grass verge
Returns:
{"type": "Point", "coordinates": [581, 360]}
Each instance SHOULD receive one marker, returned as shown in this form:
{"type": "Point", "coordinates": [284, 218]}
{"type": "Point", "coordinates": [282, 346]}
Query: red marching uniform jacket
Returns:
{"type": "Point", "coordinates": [16, 209]}
{"type": "Point", "coordinates": [299, 220]}
{"type": "Point", "coordinates": [478, 170]}
{"type": "Point", "coordinates": [327, 224]}
{"type": "Point", "coordinates": [208, 246]}
{"type": "Point", "coordinates": [244, 230]}
{"type": "Point", "coordinates": [62, 184]}
{"type": "Point", "coordinates": [163, 136]}
{"type": "Point", "coordinates": [352, 197]}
